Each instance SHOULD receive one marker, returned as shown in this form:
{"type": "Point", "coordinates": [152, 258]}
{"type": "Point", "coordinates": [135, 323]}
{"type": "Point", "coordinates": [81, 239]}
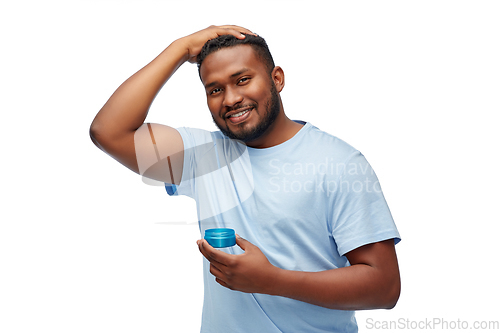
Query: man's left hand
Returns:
{"type": "Point", "coordinates": [249, 272]}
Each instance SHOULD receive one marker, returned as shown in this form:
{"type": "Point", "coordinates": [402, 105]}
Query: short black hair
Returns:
{"type": "Point", "coordinates": [258, 44]}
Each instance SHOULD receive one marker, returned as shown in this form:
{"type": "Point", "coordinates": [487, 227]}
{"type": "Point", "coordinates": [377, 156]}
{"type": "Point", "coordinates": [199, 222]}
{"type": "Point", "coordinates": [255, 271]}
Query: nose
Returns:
{"type": "Point", "coordinates": [232, 96]}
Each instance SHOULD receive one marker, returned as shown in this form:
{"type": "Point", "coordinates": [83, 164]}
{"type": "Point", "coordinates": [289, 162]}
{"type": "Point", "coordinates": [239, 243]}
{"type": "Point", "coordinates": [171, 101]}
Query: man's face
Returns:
{"type": "Point", "coordinates": [241, 95]}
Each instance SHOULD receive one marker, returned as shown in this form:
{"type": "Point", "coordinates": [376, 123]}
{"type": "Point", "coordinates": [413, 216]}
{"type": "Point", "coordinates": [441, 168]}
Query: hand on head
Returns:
{"type": "Point", "coordinates": [195, 41]}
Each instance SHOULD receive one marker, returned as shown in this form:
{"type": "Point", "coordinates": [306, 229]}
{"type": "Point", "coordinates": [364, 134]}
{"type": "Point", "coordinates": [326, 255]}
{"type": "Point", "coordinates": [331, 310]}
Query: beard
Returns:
{"type": "Point", "coordinates": [272, 111]}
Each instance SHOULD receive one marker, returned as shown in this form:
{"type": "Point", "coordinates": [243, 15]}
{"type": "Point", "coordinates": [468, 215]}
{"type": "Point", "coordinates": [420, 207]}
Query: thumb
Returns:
{"type": "Point", "coordinates": [242, 242]}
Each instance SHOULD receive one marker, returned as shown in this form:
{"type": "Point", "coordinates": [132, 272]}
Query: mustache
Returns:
{"type": "Point", "coordinates": [238, 107]}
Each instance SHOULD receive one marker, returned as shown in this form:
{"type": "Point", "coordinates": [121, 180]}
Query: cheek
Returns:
{"type": "Point", "coordinates": [260, 91]}
{"type": "Point", "coordinates": [214, 107]}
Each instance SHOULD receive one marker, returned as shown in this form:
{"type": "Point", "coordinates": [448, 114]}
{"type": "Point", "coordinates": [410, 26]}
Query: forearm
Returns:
{"type": "Point", "coordinates": [357, 287]}
{"type": "Point", "coordinates": [371, 282]}
{"type": "Point", "coordinates": [127, 108]}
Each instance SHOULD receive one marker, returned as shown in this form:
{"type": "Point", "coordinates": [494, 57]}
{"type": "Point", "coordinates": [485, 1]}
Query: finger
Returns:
{"type": "Point", "coordinates": [213, 255]}
{"type": "Point", "coordinates": [238, 31]}
{"type": "Point", "coordinates": [229, 31]}
{"type": "Point", "coordinates": [222, 283]}
{"type": "Point", "coordinates": [204, 251]}
{"type": "Point", "coordinates": [236, 27]}
{"type": "Point", "coordinates": [242, 243]}
{"type": "Point", "coordinates": [215, 271]}
{"type": "Point", "coordinates": [245, 31]}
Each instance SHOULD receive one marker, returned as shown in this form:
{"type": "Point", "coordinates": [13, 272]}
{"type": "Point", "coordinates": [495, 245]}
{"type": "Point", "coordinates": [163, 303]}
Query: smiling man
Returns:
{"type": "Point", "coordinates": [316, 239]}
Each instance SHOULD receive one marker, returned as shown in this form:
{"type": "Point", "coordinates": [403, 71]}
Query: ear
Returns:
{"type": "Point", "coordinates": [278, 78]}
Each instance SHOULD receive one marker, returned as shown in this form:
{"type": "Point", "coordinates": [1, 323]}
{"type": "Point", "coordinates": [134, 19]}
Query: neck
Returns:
{"type": "Point", "coordinates": [283, 129]}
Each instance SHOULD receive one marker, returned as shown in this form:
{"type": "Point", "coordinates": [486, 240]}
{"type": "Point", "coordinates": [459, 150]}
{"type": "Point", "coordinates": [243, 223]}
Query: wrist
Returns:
{"type": "Point", "coordinates": [277, 281]}
{"type": "Point", "coordinates": [181, 47]}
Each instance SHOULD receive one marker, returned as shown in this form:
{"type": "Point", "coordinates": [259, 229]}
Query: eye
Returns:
{"type": "Point", "coordinates": [214, 91]}
{"type": "Point", "coordinates": [243, 80]}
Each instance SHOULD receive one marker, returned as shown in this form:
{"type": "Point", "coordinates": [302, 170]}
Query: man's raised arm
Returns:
{"type": "Point", "coordinates": [119, 129]}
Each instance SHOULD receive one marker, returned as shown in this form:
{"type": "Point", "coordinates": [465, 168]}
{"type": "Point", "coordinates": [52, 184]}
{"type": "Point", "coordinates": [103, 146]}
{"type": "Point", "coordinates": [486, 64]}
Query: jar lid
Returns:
{"type": "Point", "coordinates": [220, 237]}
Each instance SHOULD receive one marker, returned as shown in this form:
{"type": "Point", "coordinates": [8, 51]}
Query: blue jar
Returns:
{"type": "Point", "coordinates": [220, 237]}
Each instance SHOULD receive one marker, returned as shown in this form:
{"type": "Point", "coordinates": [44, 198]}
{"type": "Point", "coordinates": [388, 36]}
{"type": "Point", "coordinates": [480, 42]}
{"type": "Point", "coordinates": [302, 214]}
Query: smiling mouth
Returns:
{"type": "Point", "coordinates": [240, 116]}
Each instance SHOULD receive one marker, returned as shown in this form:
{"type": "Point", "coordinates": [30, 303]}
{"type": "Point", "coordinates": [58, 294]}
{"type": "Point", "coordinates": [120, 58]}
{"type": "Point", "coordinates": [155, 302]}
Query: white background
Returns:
{"type": "Point", "coordinates": [86, 246]}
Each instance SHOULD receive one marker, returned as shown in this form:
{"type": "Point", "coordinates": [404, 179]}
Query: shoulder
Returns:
{"type": "Point", "coordinates": [328, 144]}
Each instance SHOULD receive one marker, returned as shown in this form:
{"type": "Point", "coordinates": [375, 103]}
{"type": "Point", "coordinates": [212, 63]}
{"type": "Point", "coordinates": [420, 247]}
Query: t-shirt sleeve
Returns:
{"type": "Point", "coordinates": [360, 214]}
{"type": "Point", "coordinates": [191, 139]}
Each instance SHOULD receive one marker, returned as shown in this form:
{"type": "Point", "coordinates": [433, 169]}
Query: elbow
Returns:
{"type": "Point", "coordinates": [95, 134]}
{"type": "Point", "coordinates": [391, 303]}
{"type": "Point", "coordinates": [392, 295]}
{"type": "Point", "coordinates": [95, 127]}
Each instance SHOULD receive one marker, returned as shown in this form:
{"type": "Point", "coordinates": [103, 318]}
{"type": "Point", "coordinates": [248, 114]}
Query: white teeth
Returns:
{"type": "Point", "coordinates": [239, 114]}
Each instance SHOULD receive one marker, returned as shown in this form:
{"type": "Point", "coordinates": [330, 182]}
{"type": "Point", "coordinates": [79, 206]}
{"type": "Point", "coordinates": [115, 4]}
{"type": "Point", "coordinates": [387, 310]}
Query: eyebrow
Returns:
{"type": "Point", "coordinates": [211, 84]}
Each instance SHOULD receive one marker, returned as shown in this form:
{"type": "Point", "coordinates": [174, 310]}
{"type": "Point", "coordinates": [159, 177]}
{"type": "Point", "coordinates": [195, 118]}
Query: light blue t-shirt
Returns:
{"type": "Point", "coordinates": [305, 203]}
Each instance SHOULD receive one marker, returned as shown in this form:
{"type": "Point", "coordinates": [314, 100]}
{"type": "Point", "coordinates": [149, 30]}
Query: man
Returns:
{"type": "Point", "coordinates": [317, 238]}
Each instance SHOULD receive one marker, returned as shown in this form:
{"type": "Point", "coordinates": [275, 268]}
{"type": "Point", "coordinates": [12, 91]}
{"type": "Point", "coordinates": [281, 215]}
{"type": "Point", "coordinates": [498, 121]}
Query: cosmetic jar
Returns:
{"type": "Point", "coordinates": [220, 237]}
